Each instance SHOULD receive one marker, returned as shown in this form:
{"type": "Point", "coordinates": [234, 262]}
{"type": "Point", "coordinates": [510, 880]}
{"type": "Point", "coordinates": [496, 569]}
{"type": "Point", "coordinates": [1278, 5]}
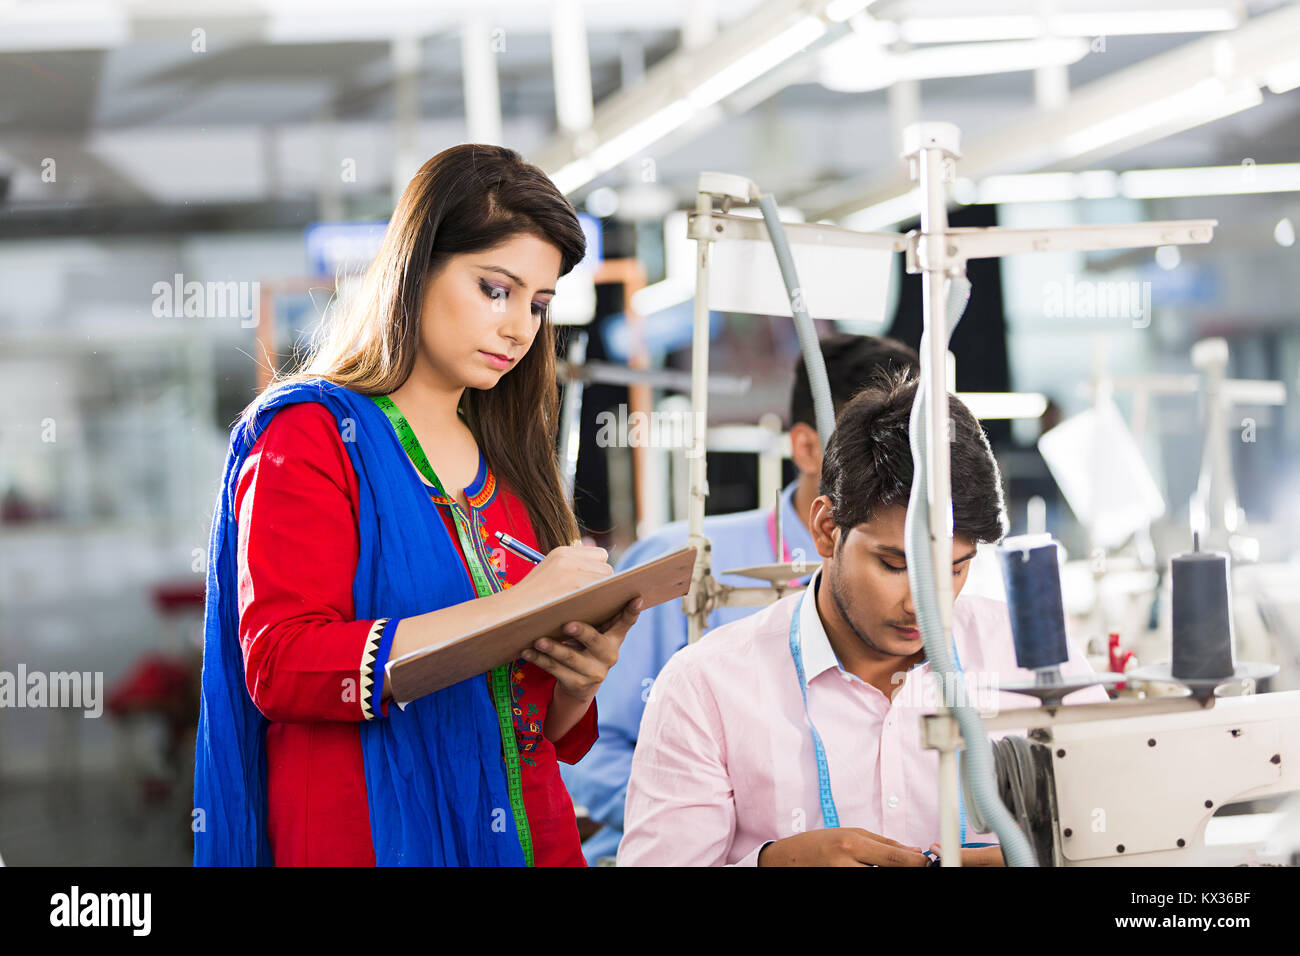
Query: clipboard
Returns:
{"type": "Point", "coordinates": [432, 668]}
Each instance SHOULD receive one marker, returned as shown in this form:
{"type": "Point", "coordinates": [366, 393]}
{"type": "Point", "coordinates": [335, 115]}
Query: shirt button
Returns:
{"type": "Point", "coordinates": [893, 802]}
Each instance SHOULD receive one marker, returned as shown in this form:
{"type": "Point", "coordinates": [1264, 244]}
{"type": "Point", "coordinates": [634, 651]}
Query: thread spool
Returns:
{"type": "Point", "coordinates": [1032, 577]}
{"type": "Point", "coordinates": [1202, 623]}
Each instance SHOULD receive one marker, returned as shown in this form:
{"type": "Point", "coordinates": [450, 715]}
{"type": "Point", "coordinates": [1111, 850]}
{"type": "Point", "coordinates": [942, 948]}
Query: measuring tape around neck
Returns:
{"type": "Point", "coordinates": [830, 815]}
{"type": "Point", "coordinates": [498, 677]}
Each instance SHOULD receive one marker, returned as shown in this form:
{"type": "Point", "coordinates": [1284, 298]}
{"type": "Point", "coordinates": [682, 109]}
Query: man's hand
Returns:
{"type": "Point", "coordinates": [843, 846]}
{"type": "Point", "coordinates": [977, 855]}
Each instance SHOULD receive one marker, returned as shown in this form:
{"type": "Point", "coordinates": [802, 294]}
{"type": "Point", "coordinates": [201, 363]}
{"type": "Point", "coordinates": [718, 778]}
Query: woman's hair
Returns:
{"type": "Point", "coordinates": [467, 199]}
{"type": "Point", "coordinates": [868, 461]}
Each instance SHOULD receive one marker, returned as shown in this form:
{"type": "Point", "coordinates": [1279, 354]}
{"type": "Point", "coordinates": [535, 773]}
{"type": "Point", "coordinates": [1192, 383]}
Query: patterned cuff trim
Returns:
{"type": "Point", "coordinates": [368, 657]}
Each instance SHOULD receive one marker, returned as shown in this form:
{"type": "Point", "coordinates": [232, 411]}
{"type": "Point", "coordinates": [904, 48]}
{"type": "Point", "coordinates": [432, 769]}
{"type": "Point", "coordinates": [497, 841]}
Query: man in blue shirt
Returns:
{"type": "Point", "coordinates": [744, 539]}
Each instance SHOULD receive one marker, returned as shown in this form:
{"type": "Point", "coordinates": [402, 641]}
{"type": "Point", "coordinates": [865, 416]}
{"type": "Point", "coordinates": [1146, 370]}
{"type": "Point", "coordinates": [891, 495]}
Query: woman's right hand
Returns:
{"type": "Point", "coordinates": [564, 570]}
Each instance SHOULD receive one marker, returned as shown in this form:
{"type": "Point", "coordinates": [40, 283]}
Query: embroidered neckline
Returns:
{"type": "Point", "coordinates": [478, 492]}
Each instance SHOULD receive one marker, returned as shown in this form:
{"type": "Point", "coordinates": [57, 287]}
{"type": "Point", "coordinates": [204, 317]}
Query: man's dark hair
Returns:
{"type": "Point", "coordinates": [851, 362]}
{"type": "Point", "coordinates": [868, 461]}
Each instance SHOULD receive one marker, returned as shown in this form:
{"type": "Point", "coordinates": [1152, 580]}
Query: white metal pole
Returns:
{"type": "Point", "coordinates": [936, 146]}
{"type": "Point", "coordinates": [934, 225]}
{"type": "Point", "coordinates": [694, 601]}
{"type": "Point", "coordinates": [405, 53]}
{"type": "Point", "coordinates": [949, 828]}
{"type": "Point", "coordinates": [770, 460]}
{"type": "Point", "coordinates": [482, 90]}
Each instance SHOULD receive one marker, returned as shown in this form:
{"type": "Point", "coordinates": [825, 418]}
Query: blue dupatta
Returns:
{"type": "Point", "coordinates": [435, 777]}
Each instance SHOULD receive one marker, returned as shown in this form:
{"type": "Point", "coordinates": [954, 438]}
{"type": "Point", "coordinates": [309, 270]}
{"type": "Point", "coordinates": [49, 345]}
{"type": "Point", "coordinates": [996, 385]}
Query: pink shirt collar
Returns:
{"type": "Point", "coordinates": [818, 655]}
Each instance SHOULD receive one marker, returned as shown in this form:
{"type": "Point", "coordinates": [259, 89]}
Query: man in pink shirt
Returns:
{"type": "Point", "coordinates": [726, 769]}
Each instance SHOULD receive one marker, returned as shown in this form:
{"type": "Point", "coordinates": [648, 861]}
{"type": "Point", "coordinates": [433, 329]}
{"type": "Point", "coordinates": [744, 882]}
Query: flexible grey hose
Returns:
{"type": "Point", "coordinates": [977, 766]}
{"type": "Point", "coordinates": [1019, 784]}
{"type": "Point", "coordinates": [823, 408]}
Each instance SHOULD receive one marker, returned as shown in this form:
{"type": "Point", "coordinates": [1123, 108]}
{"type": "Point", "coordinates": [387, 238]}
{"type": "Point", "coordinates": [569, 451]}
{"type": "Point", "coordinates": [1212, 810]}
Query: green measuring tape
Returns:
{"type": "Point", "coordinates": [498, 677]}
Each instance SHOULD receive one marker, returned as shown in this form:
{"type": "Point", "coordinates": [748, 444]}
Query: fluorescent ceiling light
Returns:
{"type": "Point", "coordinates": [1097, 184]}
{"type": "Point", "coordinates": [1199, 103]}
{"type": "Point", "coordinates": [663, 295]}
{"type": "Point", "coordinates": [857, 65]}
{"type": "Point", "coordinates": [1135, 184]}
{"type": "Point", "coordinates": [1284, 78]}
{"type": "Point", "coordinates": [574, 175]}
{"type": "Point", "coordinates": [837, 11]}
{"type": "Point", "coordinates": [1031, 187]}
{"type": "Point", "coordinates": [720, 84]}
{"type": "Point", "coordinates": [965, 29]}
{"type": "Point", "coordinates": [654, 127]}
{"type": "Point", "coordinates": [61, 26]}
{"type": "Point", "coordinates": [970, 59]}
{"type": "Point", "coordinates": [1210, 180]}
{"type": "Point", "coordinates": [964, 191]}
{"type": "Point", "coordinates": [1136, 22]}
{"type": "Point", "coordinates": [1046, 187]}
{"type": "Point", "coordinates": [1101, 23]}
{"type": "Point", "coordinates": [885, 213]}
{"type": "Point", "coordinates": [985, 405]}
{"type": "Point", "coordinates": [749, 67]}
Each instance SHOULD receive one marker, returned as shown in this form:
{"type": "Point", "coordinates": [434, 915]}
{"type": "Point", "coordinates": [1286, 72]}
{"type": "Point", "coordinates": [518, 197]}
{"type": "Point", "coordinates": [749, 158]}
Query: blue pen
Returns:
{"type": "Point", "coordinates": [519, 548]}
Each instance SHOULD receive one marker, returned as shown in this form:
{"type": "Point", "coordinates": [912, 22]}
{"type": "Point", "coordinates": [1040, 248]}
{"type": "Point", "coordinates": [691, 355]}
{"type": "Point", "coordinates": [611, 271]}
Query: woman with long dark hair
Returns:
{"type": "Point", "coordinates": [356, 522]}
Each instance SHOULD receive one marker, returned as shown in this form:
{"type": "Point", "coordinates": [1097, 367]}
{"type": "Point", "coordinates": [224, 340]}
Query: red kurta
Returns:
{"type": "Point", "coordinates": [296, 504]}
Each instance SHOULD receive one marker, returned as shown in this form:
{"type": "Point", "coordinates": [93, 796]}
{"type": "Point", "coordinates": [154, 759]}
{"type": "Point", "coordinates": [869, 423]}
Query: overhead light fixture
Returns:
{"type": "Point", "coordinates": [987, 405]}
{"type": "Point", "coordinates": [1097, 184]}
{"type": "Point", "coordinates": [967, 29]}
{"type": "Point", "coordinates": [1134, 184]}
{"type": "Point", "coordinates": [663, 295]}
{"type": "Point", "coordinates": [707, 92]}
{"type": "Point", "coordinates": [655, 126]}
{"type": "Point", "coordinates": [837, 11]}
{"type": "Point", "coordinates": [1038, 187]}
{"type": "Point", "coordinates": [857, 64]}
{"type": "Point", "coordinates": [1139, 22]}
{"type": "Point", "coordinates": [964, 191]}
{"type": "Point", "coordinates": [1211, 180]}
{"type": "Point", "coordinates": [1200, 103]}
{"type": "Point", "coordinates": [1101, 23]}
{"type": "Point", "coordinates": [971, 59]}
{"type": "Point", "coordinates": [65, 26]}
{"type": "Point", "coordinates": [1283, 78]}
{"type": "Point", "coordinates": [749, 67]}
{"type": "Point", "coordinates": [887, 213]}
{"type": "Point", "coordinates": [1031, 187]}
{"type": "Point", "coordinates": [573, 175]}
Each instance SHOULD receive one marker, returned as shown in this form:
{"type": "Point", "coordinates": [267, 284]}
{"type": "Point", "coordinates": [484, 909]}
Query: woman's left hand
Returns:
{"type": "Point", "coordinates": [579, 671]}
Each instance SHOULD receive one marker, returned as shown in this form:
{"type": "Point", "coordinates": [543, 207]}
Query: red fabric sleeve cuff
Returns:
{"type": "Point", "coordinates": [573, 746]}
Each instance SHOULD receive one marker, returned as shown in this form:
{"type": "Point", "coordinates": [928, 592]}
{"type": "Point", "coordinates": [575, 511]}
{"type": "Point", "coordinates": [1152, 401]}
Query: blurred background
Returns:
{"type": "Point", "coordinates": [185, 187]}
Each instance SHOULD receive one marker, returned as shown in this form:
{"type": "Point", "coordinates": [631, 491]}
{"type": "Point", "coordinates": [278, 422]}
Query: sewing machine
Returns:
{"type": "Point", "coordinates": [1138, 783]}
